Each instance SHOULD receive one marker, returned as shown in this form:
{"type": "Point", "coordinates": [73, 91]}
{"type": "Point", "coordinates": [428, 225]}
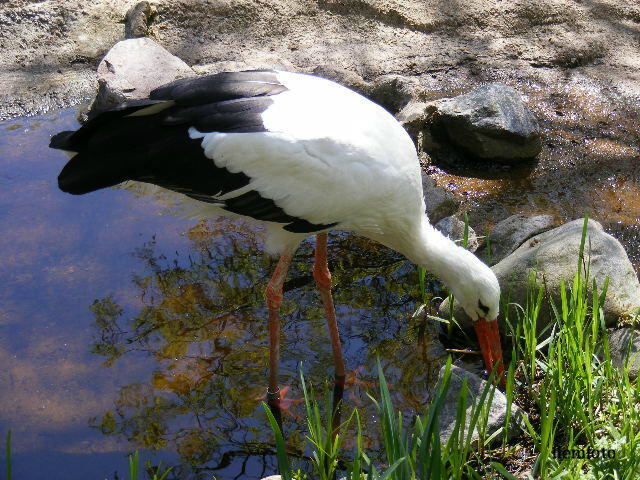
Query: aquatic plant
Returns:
{"type": "Point", "coordinates": [411, 451]}
{"type": "Point", "coordinates": [153, 473]}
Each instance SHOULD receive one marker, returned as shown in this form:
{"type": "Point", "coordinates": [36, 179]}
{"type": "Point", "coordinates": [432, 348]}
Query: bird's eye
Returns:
{"type": "Point", "coordinates": [482, 307]}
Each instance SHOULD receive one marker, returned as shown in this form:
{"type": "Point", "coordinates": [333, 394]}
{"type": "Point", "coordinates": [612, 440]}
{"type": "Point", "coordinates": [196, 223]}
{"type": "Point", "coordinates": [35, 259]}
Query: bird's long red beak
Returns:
{"type": "Point", "coordinates": [490, 347]}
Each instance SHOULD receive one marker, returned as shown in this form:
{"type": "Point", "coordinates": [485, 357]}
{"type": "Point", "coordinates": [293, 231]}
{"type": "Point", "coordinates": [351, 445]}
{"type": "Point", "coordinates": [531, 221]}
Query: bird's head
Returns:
{"type": "Point", "coordinates": [479, 292]}
{"type": "Point", "coordinates": [476, 288]}
{"type": "Point", "coordinates": [479, 296]}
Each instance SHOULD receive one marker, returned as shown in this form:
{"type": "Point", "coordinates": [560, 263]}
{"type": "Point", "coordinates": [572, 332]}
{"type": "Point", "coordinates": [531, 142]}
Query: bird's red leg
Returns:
{"type": "Point", "coordinates": [322, 276]}
{"type": "Point", "coordinates": [273, 297]}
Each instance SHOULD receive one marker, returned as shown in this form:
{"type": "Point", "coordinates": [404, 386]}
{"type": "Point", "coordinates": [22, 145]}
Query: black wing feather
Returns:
{"type": "Point", "coordinates": [148, 140]}
{"type": "Point", "coordinates": [220, 87]}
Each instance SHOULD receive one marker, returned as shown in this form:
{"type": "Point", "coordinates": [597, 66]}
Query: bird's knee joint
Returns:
{"type": "Point", "coordinates": [322, 277]}
{"type": "Point", "coordinates": [272, 297]}
{"type": "Point", "coordinates": [274, 303]}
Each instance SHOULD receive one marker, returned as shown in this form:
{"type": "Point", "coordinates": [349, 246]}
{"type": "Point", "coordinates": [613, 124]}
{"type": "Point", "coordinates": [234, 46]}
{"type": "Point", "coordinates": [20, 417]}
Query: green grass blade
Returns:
{"type": "Point", "coordinates": [393, 434]}
{"type": "Point", "coordinates": [583, 238]}
{"type": "Point", "coordinates": [355, 468]}
{"type": "Point", "coordinates": [509, 393]}
{"type": "Point", "coordinates": [387, 474]}
{"type": "Point", "coordinates": [134, 465]}
{"type": "Point", "coordinates": [465, 236]}
{"type": "Point", "coordinates": [429, 454]}
{"type": "Point", "coordinates": [281, 452]}
{"type": "Point", "coordinates": [7, 448]}
{"type": "Point", "coordinates": [422, 273]}
{"type": "Point", "coordinates": [164, 474]}
{"type": "Point", "coordinates": [502, 471]}
{"type": "Point", "coordinates": [488, 252]}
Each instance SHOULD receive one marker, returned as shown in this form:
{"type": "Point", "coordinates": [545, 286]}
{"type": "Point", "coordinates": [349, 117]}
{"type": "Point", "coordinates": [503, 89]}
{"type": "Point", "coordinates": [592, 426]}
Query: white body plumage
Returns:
{"type": "Point", "coordinates": [329, 155]}
{"type": "Point", "coordinates": [299, 149]}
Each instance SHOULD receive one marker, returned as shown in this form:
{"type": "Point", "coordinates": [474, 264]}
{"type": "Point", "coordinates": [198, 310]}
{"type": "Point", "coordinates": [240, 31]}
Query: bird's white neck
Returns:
{"type": "Point", "coordinates": [427, 247]}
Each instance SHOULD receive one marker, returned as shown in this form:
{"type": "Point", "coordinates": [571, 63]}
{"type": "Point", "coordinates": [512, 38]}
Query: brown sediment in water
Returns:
{"type": "Point", "coordinates": [590, 164]}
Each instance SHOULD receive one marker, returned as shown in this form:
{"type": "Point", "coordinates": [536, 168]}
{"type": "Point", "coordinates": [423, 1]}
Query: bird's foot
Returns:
{"type": "Point", "coordinates": [280, 401]}
{"type": "Point", "coordinates": [352, 379]}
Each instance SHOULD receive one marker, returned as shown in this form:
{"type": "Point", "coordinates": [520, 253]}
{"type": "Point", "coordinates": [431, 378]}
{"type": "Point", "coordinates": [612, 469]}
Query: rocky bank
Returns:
{"type": "Point", "coordinates": [50, 47]}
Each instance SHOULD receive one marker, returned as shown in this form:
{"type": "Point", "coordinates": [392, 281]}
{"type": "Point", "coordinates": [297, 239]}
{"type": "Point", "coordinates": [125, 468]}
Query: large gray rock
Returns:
{"type": "Point", "coordinates": [553, 256]}
{"type": "Point", "coordinates": [134, 67]}
{"type": "Point", "coordinates": [491, 122]}
{"type": "Point", "coordinates": [475, 387]}
{"type": "Point", "coordinates": [453, 228]}
{"type": "Point", "coordinates": [512, 232]}
{"type": "Point", "coordinates": [440, 203]}
{"type": "Point", "coordinates": [624, 345]}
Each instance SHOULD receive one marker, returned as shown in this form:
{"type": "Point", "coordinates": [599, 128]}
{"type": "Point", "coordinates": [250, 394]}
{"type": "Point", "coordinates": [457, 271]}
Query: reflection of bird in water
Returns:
{"type": "Point", "coordinates": [299, 153]}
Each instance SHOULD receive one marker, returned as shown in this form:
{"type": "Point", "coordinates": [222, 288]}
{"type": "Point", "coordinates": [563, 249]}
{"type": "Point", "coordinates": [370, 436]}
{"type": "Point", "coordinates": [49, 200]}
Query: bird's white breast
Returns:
{"type": "Point", "coordinates": [328, 155]}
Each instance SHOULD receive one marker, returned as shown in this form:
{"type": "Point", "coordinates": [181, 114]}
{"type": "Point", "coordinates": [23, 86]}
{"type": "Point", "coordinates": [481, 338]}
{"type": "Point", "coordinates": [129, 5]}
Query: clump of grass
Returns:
{"type": "Point", "coordinates": [579, 404]}
{"type": "Point", "coordinates": [411, 451]}
{"type": "Point", "coordinates": [583, 403]}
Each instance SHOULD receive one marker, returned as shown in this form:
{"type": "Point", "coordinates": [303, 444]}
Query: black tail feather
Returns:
{"type": "Point", "coordinates": [60, 140]}
{"type": "Point", "coordinates": [148, 140]}
{"type": "Point", "coordinates": [83, 175]}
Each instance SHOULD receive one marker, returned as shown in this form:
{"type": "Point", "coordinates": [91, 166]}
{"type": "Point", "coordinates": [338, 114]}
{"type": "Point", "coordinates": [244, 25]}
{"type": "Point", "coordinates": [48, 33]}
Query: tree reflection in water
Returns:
{"type": "Point", "coordinates": [203, 319]}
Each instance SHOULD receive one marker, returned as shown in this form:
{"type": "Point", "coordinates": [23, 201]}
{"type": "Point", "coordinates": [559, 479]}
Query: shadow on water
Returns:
{"type": "Point", "coordinates": [124, 326]}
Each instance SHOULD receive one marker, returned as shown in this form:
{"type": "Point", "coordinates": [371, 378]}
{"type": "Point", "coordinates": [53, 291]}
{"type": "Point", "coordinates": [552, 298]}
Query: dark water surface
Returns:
{"type": "Point", "coordinates": [124, 326]}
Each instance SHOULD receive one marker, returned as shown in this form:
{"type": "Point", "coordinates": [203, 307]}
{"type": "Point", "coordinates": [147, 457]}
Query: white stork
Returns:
{"type": "Point", "coordinates": [299, 153]}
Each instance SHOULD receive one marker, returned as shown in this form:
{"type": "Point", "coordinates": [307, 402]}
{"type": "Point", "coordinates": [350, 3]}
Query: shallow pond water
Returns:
{"type": "Point", "coordinates": [124, 326]}
{"type": "Point", "coordinates": [589, 163]}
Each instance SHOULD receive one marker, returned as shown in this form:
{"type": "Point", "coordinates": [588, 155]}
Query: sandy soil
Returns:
{"type": "Point", "coordinates": [50, 47]}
